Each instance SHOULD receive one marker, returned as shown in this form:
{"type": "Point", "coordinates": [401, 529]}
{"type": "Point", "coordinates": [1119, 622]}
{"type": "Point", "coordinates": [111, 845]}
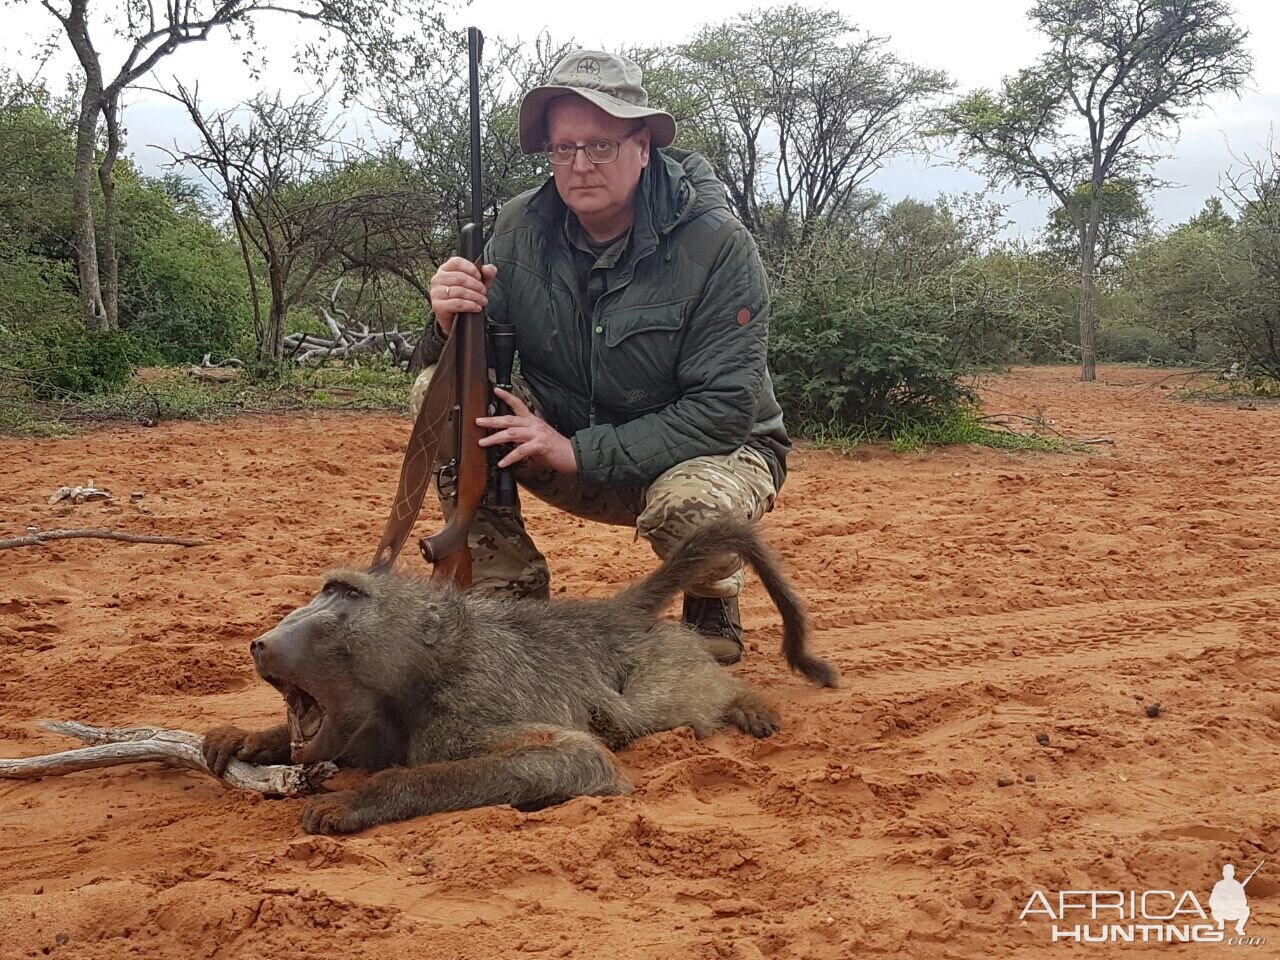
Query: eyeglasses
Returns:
{"type": "Point", "coordinates": [597, 151]}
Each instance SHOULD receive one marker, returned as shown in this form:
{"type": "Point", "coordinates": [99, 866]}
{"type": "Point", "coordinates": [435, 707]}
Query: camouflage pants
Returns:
{"type": "Point", "coordinates": [505, 559]}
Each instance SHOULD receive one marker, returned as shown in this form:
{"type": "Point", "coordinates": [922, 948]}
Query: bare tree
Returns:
{"type": "Point", "coordinates": [1254, 308]}
{"type": "Point", "coordinates": [1126, 71]}
{"type": "Point", "coordinates": [430, 117]}
{"type": "Point", "coordinates": [267, 168]}
{"type": "Point", "coordinates": [362, 35]}
{"type": "Point", "coordinates": [720, 97]}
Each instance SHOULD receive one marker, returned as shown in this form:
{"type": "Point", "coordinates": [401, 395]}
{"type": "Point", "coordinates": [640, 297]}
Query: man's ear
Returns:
{"type": "Point", "coordinates": [646, 136]}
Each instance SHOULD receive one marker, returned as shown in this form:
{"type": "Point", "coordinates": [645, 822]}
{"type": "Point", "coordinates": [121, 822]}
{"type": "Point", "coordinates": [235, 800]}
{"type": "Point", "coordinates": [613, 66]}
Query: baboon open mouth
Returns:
{"type": "Point", "coordinates": [305, 713]}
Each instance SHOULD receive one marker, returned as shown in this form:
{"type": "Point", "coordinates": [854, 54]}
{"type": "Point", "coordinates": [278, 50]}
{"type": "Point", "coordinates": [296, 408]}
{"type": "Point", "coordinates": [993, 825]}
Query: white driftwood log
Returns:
{"type": "Point", "coordinates": [112, 746]}
{"type": "Point", "coordinates": [347, 338]}
{"type": "Point", "coordinates": [346, 343]}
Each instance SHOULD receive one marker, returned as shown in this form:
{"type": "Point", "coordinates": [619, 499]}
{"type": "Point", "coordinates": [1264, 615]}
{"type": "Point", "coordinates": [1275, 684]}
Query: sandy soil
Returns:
{"type": "Point", "coordinates": [971, 598]}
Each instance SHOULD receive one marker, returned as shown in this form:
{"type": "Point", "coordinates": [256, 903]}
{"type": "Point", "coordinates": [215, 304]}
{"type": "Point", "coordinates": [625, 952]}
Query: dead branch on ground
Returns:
{"type": "Point", "coordinates": [112, 746]}
{"type": "Point", "coordinates": [1039, 424]}
{"type": "Point", "coordinates": [41, 536]}
{"type": "Point", "coordinates": [347, 338]}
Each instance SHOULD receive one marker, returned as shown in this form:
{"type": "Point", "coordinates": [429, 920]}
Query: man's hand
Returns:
{"type": "Point", "coordinates": [534, 439]}
{"type": "Point", "coordinates": [459, 286]}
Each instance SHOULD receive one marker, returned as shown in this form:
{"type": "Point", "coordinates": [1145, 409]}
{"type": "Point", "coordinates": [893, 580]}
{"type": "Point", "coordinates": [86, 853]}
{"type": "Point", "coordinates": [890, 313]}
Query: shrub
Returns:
{"type": "Point", "coordinates": [78, 362]}
{"type": "Point", "coordinates": [183, 289]}
{"type": "Point", "coordinates": [1136, 343]}
{"type": "Point", "coordinates": [855, 361]}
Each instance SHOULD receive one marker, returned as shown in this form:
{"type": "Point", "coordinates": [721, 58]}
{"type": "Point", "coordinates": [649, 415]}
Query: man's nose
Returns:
{"type": "Point", "coordinates": [581, 164]}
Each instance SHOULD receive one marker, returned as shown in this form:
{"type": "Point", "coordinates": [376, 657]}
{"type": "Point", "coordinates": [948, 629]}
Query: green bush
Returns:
{"type": "Point", "coordinates": [78, 362]}
{"type": "Point", "coordinates": [182, 286]}
{"type": "Point", "coordinates": [35, 293]}
{"type": "Point", "coordinates": [859, 362]}
{"type": "Point", "coordinates": [1136, 343]}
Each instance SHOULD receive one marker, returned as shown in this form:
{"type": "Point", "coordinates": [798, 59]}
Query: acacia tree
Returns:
{"type": "Point", "coordinates": [1126, 71]}
{"type": "Point", "coordinates": [360, 34]}
{"type": "Point", "coordinates": [1124, 222]}
{"type": "Point", "coordinates": [1187, 280]}
{"type": "Point", "coordinates": [797, 109]}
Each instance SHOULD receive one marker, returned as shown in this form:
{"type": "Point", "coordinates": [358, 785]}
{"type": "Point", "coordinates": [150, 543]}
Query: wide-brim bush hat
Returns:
{"type": "Point", "coordinates": [611, 82]}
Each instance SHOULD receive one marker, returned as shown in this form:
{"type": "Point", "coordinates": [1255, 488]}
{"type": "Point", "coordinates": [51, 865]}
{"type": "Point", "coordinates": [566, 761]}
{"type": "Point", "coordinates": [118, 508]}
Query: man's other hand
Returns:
{"type": "Point", "coordinates": [534, 439]}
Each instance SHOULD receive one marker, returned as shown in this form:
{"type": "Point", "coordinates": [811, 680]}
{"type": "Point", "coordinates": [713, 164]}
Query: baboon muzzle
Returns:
{"type": "Point", "coordinates": [281, 656]}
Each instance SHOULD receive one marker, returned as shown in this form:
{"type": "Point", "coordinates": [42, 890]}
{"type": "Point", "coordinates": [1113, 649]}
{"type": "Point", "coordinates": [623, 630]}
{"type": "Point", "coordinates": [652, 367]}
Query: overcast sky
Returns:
{"type": "Point", "coordinates": [975, 43]}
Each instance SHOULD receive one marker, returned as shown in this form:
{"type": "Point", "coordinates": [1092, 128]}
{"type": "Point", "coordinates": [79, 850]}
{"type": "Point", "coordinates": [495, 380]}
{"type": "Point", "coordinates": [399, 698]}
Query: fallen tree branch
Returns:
{"type": "Point", "coordinates": [347, 338]}
{"type": "Point", "coordinates": [229, 362]}
{"type": "Point", "coordinates": [1038, 423]}
{"type": "Point", "coordinates": [33, 539]}
{"type": "Point", "coordinates": [112, 746]}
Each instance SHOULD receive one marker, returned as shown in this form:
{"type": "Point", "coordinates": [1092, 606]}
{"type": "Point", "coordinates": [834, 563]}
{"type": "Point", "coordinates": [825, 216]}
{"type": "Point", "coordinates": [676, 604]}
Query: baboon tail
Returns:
{"type": "Point", "coordinates": [707, 545]}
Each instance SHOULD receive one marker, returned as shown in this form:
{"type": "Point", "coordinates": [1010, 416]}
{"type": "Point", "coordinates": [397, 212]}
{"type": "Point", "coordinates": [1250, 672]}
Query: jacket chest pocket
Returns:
{"type": "Point", "coordinates": [636, 370]}
{"type": "Point", "coordinates": [549, 335]}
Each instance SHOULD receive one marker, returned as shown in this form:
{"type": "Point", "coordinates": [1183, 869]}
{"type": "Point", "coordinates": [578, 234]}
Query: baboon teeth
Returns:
{"type": "Point", "coordinates": [305, 715]}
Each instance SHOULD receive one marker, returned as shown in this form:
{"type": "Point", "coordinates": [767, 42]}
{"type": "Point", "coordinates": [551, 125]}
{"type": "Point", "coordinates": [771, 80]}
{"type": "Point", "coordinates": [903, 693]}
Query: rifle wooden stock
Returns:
{"type": "Point", "coordinates": [447, 549]}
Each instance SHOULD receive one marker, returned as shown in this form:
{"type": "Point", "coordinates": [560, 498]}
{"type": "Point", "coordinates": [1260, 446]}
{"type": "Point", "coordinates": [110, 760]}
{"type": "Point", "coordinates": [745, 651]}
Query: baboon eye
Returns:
{"type": "Point", "coordinates": [346, 590]}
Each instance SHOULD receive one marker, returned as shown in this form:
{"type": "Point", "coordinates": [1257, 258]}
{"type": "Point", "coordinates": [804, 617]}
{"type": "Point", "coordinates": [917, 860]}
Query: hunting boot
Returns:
{"type": "Point", "coordinates": [716, 619]}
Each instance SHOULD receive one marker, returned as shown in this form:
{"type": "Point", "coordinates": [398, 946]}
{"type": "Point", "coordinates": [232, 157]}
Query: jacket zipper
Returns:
{"type": "Point", "coordinates": [597, 328]}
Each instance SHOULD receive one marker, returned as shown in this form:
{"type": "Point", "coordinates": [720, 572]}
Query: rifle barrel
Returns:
{"type": "Point", "coordinates": [475, 46]}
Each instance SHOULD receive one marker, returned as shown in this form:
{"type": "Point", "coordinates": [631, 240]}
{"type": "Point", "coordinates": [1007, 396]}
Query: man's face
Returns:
{"type": "Point", "coordinates": [596, 191]}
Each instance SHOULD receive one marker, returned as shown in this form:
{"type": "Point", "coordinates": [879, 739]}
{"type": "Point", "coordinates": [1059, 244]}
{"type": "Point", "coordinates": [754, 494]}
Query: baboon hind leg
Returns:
{"type": "Point", "coordinates": [526, 766]}
{"type": "Point", "coordinates": [750, 714]}
{"type": "Point", "coordinates": [701, 695]}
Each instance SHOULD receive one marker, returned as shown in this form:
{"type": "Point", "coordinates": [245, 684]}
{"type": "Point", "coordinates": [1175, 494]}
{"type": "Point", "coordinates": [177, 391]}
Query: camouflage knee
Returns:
{"type": "Point", "coordinates": [418, 392]}
{"type": "Point", "coordinates": [504, 559]}
{"type": "Point", "coordinates": [697, 491]}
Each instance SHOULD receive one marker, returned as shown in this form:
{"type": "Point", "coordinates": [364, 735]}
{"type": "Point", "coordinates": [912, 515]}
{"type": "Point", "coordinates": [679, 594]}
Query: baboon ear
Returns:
{"type": "Point", "coordinates": [429, 623]}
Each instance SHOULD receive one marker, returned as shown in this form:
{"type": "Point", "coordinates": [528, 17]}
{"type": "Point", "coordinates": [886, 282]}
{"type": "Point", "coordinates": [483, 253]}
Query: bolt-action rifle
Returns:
{"type": "Point", "coordinates": [459, 392]}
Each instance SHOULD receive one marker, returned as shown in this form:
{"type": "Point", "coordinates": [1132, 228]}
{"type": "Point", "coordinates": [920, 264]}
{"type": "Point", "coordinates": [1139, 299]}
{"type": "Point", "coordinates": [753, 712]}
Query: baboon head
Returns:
{"type": "Point", "coordinates": [351, 663]}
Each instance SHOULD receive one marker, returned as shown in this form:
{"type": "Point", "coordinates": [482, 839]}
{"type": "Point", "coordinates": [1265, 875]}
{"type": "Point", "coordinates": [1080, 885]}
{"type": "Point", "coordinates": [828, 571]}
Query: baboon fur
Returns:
{"type": "Point", "coordinates": [465, 699]}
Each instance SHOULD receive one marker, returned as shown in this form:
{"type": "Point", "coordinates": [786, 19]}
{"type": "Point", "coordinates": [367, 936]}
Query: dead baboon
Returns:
{"type": "Point", "coordinates": [465, 700]}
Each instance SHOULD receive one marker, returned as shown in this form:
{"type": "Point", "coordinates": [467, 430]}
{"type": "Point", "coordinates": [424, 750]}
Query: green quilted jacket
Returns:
{"type": "Point", "coordinates": [672, 363]}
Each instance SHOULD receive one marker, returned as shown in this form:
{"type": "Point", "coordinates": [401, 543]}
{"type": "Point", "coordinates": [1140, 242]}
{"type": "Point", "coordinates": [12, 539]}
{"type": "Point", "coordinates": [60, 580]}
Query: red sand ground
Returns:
{"type": "Point", "coordinates": [972, 599]}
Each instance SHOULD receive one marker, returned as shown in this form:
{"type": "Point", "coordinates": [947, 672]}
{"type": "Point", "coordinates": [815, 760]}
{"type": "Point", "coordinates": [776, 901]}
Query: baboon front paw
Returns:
{"type": "Point", "coordinates": [258, 748]}
{"type": "Point", "coordinates": [331, 813]}
{"type": "Point", "coordinates": [755, 719]}
{"type": "Point", "coordinates": [220, 745]}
